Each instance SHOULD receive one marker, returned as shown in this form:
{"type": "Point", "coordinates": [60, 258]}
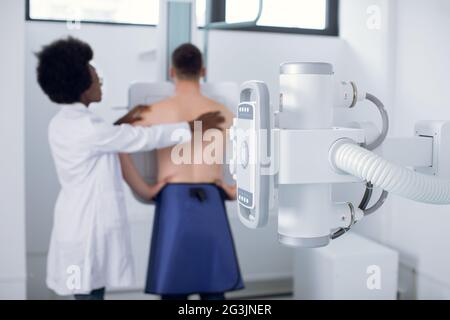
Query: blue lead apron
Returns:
{"type": "Point", "coordinates": [192, 249]}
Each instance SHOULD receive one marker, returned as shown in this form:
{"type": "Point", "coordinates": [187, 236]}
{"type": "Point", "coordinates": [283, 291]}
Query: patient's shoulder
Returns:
{"type": "Point", "coordinates": [214, 105]}
{"type": "Point", "coordinates": [162, 106]}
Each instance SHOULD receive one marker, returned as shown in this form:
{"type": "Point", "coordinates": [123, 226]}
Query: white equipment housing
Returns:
{"type": "Point", "coordinates": [288, 161]}
{"type": "Point", "coordinates": [353, 268]}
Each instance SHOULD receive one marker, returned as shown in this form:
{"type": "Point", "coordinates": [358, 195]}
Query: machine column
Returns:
{"type": "Point", "coordinates": [306, 103]}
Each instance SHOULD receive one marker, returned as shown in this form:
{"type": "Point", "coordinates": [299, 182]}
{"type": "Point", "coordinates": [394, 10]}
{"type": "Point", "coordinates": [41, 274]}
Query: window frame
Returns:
{"type": "Point", "coordinates": [110, 23]}
{"type": "Point", "coordinates": [218, 14]}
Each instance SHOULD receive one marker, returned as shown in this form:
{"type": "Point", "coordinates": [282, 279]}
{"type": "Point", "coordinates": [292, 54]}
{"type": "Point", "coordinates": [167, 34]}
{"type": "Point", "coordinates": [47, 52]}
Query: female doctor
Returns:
{"type": "Point", "coordinates": [90, 246]}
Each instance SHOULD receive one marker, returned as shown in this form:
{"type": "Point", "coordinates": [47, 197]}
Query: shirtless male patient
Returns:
{"type": "Point", "coordinates": [192, 249]}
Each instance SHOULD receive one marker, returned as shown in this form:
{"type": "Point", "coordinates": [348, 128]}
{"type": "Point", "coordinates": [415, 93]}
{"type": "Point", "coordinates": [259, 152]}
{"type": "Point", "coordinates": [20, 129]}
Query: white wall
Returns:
{"type": "Point", "coordinates": [406, 63]}
{"type": "Point", "coordinates": [421, 232]}
{"type": "Point", "coordinates": [12, 186]}
{"type": "Point", "coordinates": [241, 56]}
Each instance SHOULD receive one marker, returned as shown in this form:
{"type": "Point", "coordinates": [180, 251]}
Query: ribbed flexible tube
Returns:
{"type": "Point", "coordinates": [393, 178]}
{"type": "Point", "coordinates": [385, 119]}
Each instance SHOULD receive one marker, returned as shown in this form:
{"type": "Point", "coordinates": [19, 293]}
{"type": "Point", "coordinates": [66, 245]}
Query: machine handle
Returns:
{"type": "Point", "coordinates": [252, 144]}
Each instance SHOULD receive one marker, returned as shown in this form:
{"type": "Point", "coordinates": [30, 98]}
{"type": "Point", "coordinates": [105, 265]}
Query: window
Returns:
{"type": "Point", "coordinates": [138, 12]}
{"type": "Point", "coordinates": [201, 12]}
{"type": "Point", "coordinates": [292, 16]}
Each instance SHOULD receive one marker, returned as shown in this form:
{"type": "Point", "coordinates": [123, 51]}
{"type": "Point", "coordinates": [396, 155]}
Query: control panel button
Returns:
{"type": "Point", "coordinates": [245, 154]}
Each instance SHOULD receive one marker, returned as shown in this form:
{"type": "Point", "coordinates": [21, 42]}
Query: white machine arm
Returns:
{"type": "Point", "coordinates": [308, 155]}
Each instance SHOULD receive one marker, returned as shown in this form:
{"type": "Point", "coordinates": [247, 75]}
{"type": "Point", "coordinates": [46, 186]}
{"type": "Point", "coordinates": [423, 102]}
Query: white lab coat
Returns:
{"type": "Point", "coordinates": [90, 244]}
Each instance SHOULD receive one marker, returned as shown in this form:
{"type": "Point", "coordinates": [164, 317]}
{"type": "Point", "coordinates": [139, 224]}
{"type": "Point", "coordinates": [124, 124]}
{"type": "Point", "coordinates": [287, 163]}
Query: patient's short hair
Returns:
{"type": "Point", "coordinates": [187, 61]}
{"type": "Point", "coordinates": [63, 70]}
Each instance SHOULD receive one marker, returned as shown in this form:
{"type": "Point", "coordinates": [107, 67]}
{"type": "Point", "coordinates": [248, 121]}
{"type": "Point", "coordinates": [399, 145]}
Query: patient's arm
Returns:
{"type": "Point", "coordinates": [230, 190]}
{"type": "Point", "coordinates": [135, 180]}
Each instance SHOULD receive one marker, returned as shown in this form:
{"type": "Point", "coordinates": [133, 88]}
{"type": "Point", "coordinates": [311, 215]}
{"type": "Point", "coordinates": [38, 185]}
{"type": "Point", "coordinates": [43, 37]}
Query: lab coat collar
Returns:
{"type": "Point", "coordinates": [76, 106]}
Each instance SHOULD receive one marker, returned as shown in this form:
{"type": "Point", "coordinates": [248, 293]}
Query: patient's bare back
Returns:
{"type": "Point", "coordinates": [200, 161]}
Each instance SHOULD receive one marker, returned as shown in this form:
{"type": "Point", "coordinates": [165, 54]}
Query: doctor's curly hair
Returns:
{"type": "Point", "coordinates": [63, 70]}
